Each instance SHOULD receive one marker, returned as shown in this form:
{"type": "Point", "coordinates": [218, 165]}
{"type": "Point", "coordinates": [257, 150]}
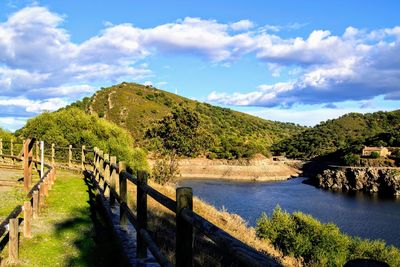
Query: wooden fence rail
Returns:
{"type": "Point", "coordinates": [105, 172]}
{"type": "Point", "coordinates": [9, 228]}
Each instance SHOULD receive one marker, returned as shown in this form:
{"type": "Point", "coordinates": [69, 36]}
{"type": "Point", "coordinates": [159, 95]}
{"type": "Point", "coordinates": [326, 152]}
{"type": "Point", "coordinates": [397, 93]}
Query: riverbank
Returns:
{"type": "Point", "coordinates": [256, 169]}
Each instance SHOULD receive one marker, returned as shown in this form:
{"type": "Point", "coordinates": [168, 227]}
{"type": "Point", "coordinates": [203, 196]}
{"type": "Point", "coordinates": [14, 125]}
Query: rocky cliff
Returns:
{"type": "Point", "coordinates": [370, 179]}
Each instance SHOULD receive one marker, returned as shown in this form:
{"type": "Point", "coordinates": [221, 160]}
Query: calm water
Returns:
{"type": "Point", "coordinates": [357, 214]}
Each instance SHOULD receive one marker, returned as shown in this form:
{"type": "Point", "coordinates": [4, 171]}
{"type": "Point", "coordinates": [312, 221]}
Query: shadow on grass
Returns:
{"type": "Point", "coordinates": [92, 236]}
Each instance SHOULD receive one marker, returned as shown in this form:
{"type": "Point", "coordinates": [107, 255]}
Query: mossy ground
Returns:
{"type": "Point", "coordinates": [69, 232]}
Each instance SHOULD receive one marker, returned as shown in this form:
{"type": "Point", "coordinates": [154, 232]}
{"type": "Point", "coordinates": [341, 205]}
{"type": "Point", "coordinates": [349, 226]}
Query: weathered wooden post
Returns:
{"type": "Point", "coordinates": [13, 244]}
{"type": "Point", "coordinates": [41, 197]}
{"type": "Point", "coordinates": [106, 174]}
{"type": "Point", "coordinates": [1, 149]}
{"type": "Point", "coordinates": [101, 167]}
{"type": "Point", "coordinates": [141, 200]}
{"type": "Point", "coordinates": [96, 164]}
{"type": "Point", "coordinates": [123, 194]}
{"type": "Point", "coordinates": [27, 219]}
{"type": "Point", "coordinates": [27, 165]}
{"type": "Point", "coordinates": [70, 156]}
{"type": "Point", "coordinates": [83, 157]}
{"type": "Point", "coordinates": [53, 154]}
{"type": "Point", "coordinates": [184, 230]}
{"type": "Point", "coordinates": [35, 204]}
{"type": "Point", "coordinates": [12, 150]}
{"type": "Point", "coordinates": [113, 178]}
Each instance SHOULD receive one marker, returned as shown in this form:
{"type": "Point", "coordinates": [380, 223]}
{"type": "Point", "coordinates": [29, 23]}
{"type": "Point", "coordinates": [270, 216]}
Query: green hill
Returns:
{"type": "Point", "coordinates": [138, 108]}
{"type": "Point", "coordinates": [347, 134]}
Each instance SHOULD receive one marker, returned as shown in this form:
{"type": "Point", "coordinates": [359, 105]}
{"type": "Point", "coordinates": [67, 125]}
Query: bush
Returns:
{"type": "Point", "coordinates": [165, 169]}
{"type": "Point", "coordinates": [351, 159]}
{"type": "Point", "coordinates": [320, 244]}
{"type": "Point", "coordinates": [375, 155]}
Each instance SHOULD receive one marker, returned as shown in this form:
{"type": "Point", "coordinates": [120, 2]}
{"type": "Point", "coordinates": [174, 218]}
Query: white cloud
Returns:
{"type": "Point", "coordinates": [34, 106]}
{"type": "Point", "coordinates": [12, 123]}
{"type": "Point", "coordinates": [40, 63]}
{"type": "Point", "coordinates": [242, 25]}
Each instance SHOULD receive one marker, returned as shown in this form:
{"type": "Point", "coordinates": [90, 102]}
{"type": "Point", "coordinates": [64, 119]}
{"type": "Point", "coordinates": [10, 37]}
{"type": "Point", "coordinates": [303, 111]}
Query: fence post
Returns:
{"type": "Point", "coordinates": [53, 154]}
{"type": "Point", "coordinates": [122, 193]}
{"type": "Point", "coordinates": [95, 162]}
{"type": "Point", "coordinates": [113, 160]}
{"type": "Point", "coordinates": [70, 156]}
{"type": "Point", "coordinates": [1, 149]}
{"type": "Point", "coordinates": [12, 150]}
{"type": "Point", "coordinates": [83, 157]}
{"type": "Point", "coordinates": [27, 219]}
{"type": "Point", "coordinates": [184, 230]}
{"type": "Point", "coordinates": [101, 166]}
{"type": "Point", "coordinates": [141, 200]}
{"type": "Point", "coordinates": [106, 175]}
{"type": "Point", "coordinates": [27, 165]}
{"type": "Point", "coordinates": [35, 204]}
{"type": "Point", "coordinates": [13, 246]}
{"type": "Point", "coordinates": [41, 197]}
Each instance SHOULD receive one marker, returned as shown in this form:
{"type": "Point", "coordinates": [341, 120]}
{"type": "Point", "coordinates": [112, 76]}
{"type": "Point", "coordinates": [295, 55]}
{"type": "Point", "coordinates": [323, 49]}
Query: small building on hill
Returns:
{"type": "Point", "coordinates": [382, 151]}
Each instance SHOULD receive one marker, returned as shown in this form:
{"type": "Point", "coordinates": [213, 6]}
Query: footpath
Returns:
{"type": "Point", "coordinates": [69, 232]}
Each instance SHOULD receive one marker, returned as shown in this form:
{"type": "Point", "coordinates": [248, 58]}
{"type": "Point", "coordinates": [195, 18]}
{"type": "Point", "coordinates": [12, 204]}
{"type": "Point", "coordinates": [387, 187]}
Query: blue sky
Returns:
{"type": "Point", "coordinates": [297, 61]}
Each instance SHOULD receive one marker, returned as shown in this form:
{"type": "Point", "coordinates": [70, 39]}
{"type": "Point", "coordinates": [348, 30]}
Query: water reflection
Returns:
{"type": "Point", "coordinates": [358, 214]}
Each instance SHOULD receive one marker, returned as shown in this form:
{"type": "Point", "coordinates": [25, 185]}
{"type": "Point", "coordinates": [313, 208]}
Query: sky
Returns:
{"type": "Point", "coordinates": [294, 61]}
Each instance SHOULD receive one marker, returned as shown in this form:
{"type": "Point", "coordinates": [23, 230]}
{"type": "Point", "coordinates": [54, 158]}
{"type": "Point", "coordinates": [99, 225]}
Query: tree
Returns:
{"type": "Point", "coordinates": [180, 132]}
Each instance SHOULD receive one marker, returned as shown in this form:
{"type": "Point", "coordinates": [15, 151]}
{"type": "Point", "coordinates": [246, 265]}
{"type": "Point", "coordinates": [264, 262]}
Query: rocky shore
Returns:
{"type": "Point", "coordinates": [368, 179]}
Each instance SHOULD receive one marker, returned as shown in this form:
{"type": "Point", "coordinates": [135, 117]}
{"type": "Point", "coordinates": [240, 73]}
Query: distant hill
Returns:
{"type": "Point", "coordinates": [347, 134]}
{"type": "Point", "coordinates": [137, 108]}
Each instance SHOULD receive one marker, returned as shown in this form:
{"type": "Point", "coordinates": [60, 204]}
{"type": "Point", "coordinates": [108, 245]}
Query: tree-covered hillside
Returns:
{"type": "Point", "coordinates": [139, 108]}
{"type": "Point", "coordinates": [347, 134]}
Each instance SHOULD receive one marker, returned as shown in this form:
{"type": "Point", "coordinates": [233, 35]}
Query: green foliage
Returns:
{"type": "Point", "coordinates": [74, 127]}
{"type": "Point", "coordinates": [165, 169]}
{"type": "Point", "coordinates": [301, 235]}
{"type": "Point", "coordinates": [232, 134]}
{"type": "Point", "coordinates": [347, 134]}
{"type": "Point", "coordinates": [180, 132]}
{"type": "Point", "coordinates": [374, 155]}
{"type": "Point", "coordinates": [351, 159]}
{"type": "Point", "coordinates": [5, 135]}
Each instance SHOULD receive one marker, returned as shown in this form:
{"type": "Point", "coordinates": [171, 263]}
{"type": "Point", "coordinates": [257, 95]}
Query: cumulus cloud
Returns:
{"type": "Point", "coordinates": [358, 65]}
{"type": "Point", "coordinates": [242, 25]}
{"type": "Point", "coordinates": [42, 68]}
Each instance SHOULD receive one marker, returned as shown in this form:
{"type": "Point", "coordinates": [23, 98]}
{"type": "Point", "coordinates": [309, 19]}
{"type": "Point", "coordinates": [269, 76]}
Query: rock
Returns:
{"type": "Point", "coordinates": [367, 179]}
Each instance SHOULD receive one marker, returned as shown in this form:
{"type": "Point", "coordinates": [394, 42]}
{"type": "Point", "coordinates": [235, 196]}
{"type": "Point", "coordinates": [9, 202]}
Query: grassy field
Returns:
{"type": "Point", "coordinates": [68, 231]}
{"type": "Point", "coordinates": [10, 196]}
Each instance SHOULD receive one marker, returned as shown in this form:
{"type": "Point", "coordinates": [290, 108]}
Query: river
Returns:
{"type": "Point", "coordinates": [356, 214]}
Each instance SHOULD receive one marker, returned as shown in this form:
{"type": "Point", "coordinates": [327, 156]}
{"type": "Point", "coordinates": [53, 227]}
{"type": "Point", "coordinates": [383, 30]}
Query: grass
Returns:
{"type": "Point", "coordinates": [68, 232]}
{"type": "Point", "coordinates": [10, 196]}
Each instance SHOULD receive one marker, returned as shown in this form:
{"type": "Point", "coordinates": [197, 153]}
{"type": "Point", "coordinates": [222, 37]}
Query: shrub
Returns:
{"type": "Point", "coordinates": [320, 244]}
{"type": "Point", "coordinates": [351, 159]}
{"type": "Point", "coordinates": [375, 155]}
{"type": "Point", "coordinates": [165, 169]}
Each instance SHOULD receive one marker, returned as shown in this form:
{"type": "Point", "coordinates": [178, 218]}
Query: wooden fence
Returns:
{"type": "Point", "coordinates": [36, 195]}
{"type": "Point", "coordinates": [107, 172]}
